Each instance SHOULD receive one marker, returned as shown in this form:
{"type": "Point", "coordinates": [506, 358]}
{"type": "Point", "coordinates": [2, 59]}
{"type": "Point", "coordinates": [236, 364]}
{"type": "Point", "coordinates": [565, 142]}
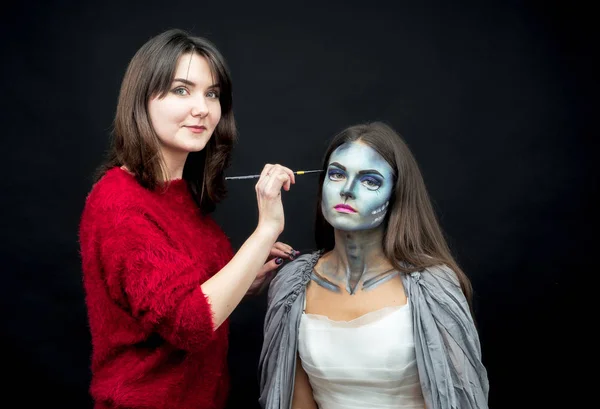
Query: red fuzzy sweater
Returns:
{"type": "Point", "coordinates": [145, 255]}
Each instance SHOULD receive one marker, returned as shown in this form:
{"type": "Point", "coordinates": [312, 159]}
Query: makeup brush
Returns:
{"type": "Point", "coordinates": [300, 172]}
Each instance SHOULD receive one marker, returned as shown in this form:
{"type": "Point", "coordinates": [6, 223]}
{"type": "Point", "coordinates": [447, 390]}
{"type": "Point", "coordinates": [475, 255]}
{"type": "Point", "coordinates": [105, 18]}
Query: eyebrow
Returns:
{"type": "Point", "coordinates": [362, 172]}
{"type": "Point", "coordinates": [192, 84]}
{"type": "Point", "coordinates": [337, 165]}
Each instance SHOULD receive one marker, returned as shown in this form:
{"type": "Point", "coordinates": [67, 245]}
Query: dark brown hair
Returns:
{"type": "Point", "coordinates": [413, 239]}
{"type": "Point", "coordinates": [135, 144]}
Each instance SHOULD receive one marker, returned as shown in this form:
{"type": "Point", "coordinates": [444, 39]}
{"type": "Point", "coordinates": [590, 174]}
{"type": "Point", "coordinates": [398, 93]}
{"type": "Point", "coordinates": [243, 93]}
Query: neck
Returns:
{"type": "Point", "coordinates": [174, 162]}
{"type": "Point", "coordinates": [358, 256]}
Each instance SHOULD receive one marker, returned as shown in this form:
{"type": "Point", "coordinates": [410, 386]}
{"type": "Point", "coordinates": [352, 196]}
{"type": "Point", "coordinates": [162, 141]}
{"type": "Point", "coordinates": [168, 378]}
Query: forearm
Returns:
{"type": "Point", "coordinates": [226, 289]}
{"type": "Point", "coordinates": [303, 396]}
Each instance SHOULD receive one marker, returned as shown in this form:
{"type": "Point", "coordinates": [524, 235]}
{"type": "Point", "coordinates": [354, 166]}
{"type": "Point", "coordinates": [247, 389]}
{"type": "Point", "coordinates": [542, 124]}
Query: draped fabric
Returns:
{"type": "Point", "coordinates": [447, 346]}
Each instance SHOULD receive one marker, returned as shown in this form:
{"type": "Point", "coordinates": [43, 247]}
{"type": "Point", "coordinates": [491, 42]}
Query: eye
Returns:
{"type": "Point", "coordinates": [335, 175]}
{"type": "Point", "coordinates": [213, 94]}
{"type": "Point", "coordinates": [180, 91]}
{"type": "Point", "coordinates": [371, 183]}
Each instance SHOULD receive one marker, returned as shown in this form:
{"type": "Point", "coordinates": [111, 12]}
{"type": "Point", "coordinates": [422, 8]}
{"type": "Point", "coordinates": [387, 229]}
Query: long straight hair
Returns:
{"type": "Point", "coordinates": [413, 239]}
{"type": "Point", "coordinates": [135, 143]}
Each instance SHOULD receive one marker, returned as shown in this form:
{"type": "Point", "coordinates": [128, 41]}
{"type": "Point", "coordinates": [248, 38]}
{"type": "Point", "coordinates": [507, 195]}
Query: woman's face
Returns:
{"type": "Point", "coordinates": [187, 116]}
{"type": "Point", "coordinates": [357, 188]}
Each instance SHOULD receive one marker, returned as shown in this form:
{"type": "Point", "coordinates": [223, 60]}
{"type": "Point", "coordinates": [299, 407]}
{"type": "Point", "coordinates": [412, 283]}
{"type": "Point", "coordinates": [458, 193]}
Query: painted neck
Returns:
{"type": "Point", "coordinates": [359, 255]}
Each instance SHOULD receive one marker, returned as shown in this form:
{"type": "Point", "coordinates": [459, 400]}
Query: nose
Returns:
{"type": "Point", "coordinates": [347, 191]}
{"type": "Point", "coordinates": [200, 107]}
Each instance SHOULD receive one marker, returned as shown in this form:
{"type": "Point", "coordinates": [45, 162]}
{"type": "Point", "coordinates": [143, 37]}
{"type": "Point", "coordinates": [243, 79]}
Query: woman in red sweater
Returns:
{"type": "Point", "coordinates": [160, 277]}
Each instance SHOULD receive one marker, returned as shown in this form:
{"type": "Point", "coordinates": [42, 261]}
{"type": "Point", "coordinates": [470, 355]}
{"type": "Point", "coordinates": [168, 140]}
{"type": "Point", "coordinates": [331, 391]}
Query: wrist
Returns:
{"type": "Point", "coordinates": [268, 232]}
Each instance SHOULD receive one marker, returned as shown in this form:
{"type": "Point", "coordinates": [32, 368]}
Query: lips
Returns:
{"type": "Point", "coordinates": [196, 128]}
{"type": "Point", "coordinates": [344, 208]}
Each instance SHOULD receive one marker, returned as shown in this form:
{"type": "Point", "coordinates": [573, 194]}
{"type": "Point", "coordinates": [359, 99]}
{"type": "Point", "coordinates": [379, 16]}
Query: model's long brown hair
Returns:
{"type": "Point", "coordinates": [413, 239]}
{"type": "Point", "coordinates": [135, 144]}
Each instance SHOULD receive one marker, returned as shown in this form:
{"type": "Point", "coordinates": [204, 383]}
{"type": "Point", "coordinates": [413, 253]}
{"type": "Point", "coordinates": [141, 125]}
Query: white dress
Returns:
{"type": "Point", "coordinates": [368, 362]}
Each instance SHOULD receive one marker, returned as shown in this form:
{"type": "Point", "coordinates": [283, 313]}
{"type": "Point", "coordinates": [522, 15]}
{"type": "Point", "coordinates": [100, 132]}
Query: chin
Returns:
{"type": "Point", "coordinates": [344, 225]}
{"type": "Point", "coordinates": [351, 225]}
{"type": "Point", "coordinates": [196, 147]}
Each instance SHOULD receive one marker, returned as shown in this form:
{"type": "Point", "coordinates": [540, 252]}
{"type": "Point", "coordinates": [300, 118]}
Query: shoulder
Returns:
{"type": "Point", "coordinates": [116, 190]}
{"type": "Point", "coordinates": [292, 277]}
{"type": "Point", "coordinates": [116, 202]}
{"type": "Point", "coordinates": [441, 275]}
{"type": "Point", "coordinates": [439, 285]}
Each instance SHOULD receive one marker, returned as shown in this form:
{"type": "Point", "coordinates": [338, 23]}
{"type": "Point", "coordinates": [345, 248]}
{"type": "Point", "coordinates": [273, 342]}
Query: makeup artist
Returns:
{"type": "Point", "coordinates": [160, 276]}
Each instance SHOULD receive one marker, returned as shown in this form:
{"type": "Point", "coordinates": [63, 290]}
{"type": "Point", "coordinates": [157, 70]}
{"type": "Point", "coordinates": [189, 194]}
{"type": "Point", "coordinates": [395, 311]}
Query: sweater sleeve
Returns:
{"type": "Point", "coordinates": [156, 282]}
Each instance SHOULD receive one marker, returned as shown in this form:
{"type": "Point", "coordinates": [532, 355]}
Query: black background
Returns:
{"type": "Point", "coordinates": [494, 99]}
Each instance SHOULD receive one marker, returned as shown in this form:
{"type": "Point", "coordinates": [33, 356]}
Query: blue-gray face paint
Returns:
{"type": "Point", "coordinates": [359, 177]}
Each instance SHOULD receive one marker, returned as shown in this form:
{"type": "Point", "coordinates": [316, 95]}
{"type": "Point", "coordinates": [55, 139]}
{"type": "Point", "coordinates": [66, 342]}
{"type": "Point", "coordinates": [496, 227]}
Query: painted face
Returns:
{"type": "Point", "coordinates": [357, 188]}
{"type": "Point", "coordinates": [187, 116]}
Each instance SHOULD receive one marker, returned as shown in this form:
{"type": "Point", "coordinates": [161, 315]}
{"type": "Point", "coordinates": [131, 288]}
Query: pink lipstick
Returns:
{"type": "Point", "coordinates": [344, 208]}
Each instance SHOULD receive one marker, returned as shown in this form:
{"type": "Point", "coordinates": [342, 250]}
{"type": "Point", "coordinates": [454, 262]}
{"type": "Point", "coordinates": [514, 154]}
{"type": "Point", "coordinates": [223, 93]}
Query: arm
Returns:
{"type": "Point", "coordinates": [148, 276]}
{"type": "Point", "coordinates": [279, 253]}
{"type": "Point", "coordinates": [226, 289]}
{"type": "Point", "coordinates": [161, 286]}
{"type": "Point", "coordinates": [303, 395]}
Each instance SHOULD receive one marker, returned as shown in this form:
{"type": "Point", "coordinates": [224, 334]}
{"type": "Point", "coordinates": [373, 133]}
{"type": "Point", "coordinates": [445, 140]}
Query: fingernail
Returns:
{"type": "Point", "coordinates": [278, 260]}
{"type": "Point", "coordinates": [296, 253]}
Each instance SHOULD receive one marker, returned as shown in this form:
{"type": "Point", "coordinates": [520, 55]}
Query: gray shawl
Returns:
{"type": "Point", "coordinates": [446, 341]}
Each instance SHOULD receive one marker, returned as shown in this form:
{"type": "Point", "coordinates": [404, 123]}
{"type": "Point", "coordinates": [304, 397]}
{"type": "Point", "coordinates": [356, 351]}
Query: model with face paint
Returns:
{"type": "Point", "coordinates": [380, 315]}
{"type": "Point", "coordinates": [356, 192]}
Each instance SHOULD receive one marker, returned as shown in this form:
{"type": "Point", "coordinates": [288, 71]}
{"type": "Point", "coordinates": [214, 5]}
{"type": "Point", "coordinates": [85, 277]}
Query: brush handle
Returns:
{"type": "Point", "coordinates": [300, 172]}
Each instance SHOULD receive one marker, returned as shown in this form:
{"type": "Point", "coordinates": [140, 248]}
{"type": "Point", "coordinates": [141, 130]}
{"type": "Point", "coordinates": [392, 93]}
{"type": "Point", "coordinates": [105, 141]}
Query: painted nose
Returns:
{"type": "Point", "coordinates": [347, 191]}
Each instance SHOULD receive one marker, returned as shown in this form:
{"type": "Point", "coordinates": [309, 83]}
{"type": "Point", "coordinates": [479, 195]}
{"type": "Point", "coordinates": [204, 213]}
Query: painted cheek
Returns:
{"type": "Point", "coordinates": [374, 203]}
{"type": "Point", "coordinates": [325, 210]}
{"type": "Point", "coordinates": [326, 197]}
